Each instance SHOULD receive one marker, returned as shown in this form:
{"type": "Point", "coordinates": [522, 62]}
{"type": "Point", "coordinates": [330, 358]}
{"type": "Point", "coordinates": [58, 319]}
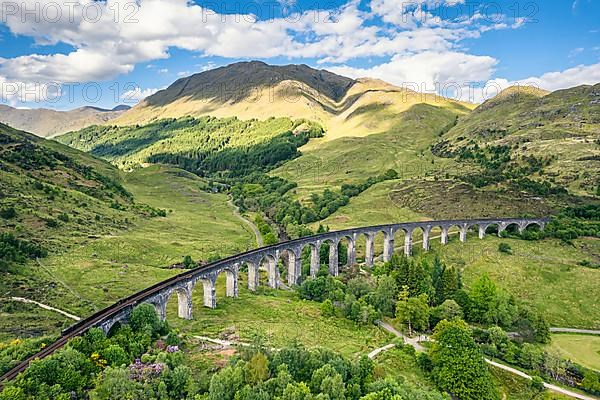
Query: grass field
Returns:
{"type": "Point", "coordinates": [98, 271]}
{"type": "Point", "coordinates": [371, 207]}
{"type": "Point", "coordinates": [512, 387]}
{"type": "Point", "coordinates": [28, 320]}
{"type": "Point", "coordinates": [544, 274]}
{"type": "Point", "coordinates": [280, 317]}
{"type": "Point", "coordinates": [582, 349]}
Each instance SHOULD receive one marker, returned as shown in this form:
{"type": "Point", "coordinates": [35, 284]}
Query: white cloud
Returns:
{"type": "Point", "coordinates": [145, 30]}
{"type": "Point", "coordinates": [137, 94]}
{"type": "Point", "coordinates": [428, 70]}
{"type": "Point", "coordinates": [579, 75]}
{"type": "Point", "coordinates": [464, 76]}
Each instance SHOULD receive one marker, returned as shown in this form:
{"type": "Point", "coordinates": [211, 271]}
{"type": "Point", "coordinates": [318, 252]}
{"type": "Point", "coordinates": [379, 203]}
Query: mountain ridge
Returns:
{"type": "Point", "coordinates": [45, 122]}
{"type": "Point", "coordinates": [254, 89]}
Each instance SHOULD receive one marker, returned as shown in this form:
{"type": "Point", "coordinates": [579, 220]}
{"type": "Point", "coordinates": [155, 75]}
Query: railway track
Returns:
{"type": "Point", "coordinates": [97, 318]}
{"type": "Point", "coordinates": [129, 302]}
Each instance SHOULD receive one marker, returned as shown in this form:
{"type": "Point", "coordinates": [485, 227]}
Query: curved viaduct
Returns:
{"type": "Point", "coordinates": [184, 284]}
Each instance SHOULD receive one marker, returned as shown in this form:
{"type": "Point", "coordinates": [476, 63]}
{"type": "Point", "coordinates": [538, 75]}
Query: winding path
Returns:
{"type": "Point", "coordinates": [44, 306]}
{"type": "Point", "coordinates": [418, 347]}
{"type": "Point", "coordinates": [236, 212]}
{"type": "Point", "coordinates": [575, 330]}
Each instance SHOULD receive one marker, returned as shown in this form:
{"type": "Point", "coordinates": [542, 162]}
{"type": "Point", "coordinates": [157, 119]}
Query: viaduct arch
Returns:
{"type": "Point", "coordinates": [184, 284]}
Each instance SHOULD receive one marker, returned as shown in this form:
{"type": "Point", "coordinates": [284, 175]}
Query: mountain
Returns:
{"type": "Point", "coordinates": [555, 136]}
{"type": "Point", "coordinates": [47, 123]}
{"type": "Point", "coordinates": [343, 106]}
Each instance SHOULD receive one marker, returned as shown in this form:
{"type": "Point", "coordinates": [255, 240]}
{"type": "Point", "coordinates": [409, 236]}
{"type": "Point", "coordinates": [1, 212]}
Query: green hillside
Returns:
{"type": "Point", "coordinates": [201, 145]}
{"type": "Point", "coordinates": [525, 134]}
{"type": "Point", "coordinates": [404, 148]}
{"type": "Point", "coordinates": [52, 198]}
{"type": "Point", "coordinates": [50, 191]}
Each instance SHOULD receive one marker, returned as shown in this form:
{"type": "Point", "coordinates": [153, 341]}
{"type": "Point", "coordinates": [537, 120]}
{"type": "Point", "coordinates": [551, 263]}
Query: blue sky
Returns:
{"type": "Point", "coordinates": [65, 55]}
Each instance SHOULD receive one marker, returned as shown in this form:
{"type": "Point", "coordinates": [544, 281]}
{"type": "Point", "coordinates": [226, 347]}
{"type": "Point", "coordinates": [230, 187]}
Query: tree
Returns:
{"type": "Point", "coordinates": [115, 384]}
{"type": "Point", "coordinates": [297, 391]}
{"type": "Point", "coordinates": [449, 310]}
{"type": "Point", "coordinates": [226, 383]}
{"type": "Point", "coordinates": [12, 393]}
{"type": "Point", "coordinates": [270, 238]}
{"type": "Point", "coordinates": [115, 355]}
{"type": "Point", "coordinates": [531, 356]}
{"type": "Point", "coordinates": [257, 369]}
{"type": "Point", "coordinates": [591, 381]}
{"type": "Point", "coordinates": [458, 364]}
{"type": "Point", "coordinates": [542, 329]}
{"type": "Point", "coordinates": [448, 285]}
{"type": "Point", "coordinates": [412, 312]}
{"type": "Point", "coordinates": [384, 296]}
{"type": "Point", "coordinates": [482, 295]}
{"type": "Point", "coordinates": [144, 316]}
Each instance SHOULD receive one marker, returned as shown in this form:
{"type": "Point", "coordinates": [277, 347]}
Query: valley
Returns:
{"type": "Point", "coordinates": [100, 213]}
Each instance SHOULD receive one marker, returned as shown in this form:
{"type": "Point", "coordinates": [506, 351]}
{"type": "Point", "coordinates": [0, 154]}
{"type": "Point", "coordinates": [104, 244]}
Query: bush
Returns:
{"type": "Point", "coordinates": [51, 223]}
{"type": "Point", "coordinates": [63, 217]}
{"type": "Point", "coordinates": [504, 248]}
{"type": "Point", "coordinates": [537, 384]}
{"type": "Point", "coordinates": [327, 309]}
{"type": "Point", "coordinates": [8, 212]}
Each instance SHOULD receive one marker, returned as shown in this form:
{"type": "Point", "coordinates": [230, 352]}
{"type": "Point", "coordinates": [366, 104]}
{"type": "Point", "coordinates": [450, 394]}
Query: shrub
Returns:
{"type": "Point", "coordinates": [64, 217]}
{"type": "Point", "coordinates": [537, 384]}
{"type": "Point", "coordinates": [327, 309]}
{"type": "Point", "coordinates": [8, 212]}
{"type": "Point", "coordinates": [51, 223]}
{"type": "Point", "coordinates": [504, 248]}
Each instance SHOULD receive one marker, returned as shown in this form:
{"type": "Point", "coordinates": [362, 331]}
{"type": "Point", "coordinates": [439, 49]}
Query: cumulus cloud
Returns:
{"type": "Point", "coordinates": [464, 76]}
{"type": "Point", "coordinates": [137, 94]}
{"type": "Point", "coordinates": [110, 38]}
{"type": "Point", "coordinates": [429, 70]}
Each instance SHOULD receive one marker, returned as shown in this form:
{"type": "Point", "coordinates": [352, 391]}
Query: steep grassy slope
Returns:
{"type": "Point", "coordinates": [201, 145]}
{"type": "Point", "coordinates": [198, 224]}
{"type": "Point", "coordinates": [404, 147]}
{"type": "Point", "coordinates": [51, 198]}
{"type": "Point", "coordinates": [55, 191]}
{"type": "Point", "coordinates": [556, 136]}
{"type": "Point", "coordinates": [99, 269]}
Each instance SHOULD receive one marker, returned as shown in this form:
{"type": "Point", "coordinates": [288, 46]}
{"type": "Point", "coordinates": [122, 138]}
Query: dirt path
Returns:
{"type": "Point", "coordinates": [548, 386]}
{"type": "Point", "coordinates": [44, 306]}
{"type": "Point", "coordinates": [414, 342]}
{"type": "Point", "coordinates": [418, 347]}
{"type": "Point", "coordinates": [575, 330]}
{"type": "Point", "coordinates": [236, 212]}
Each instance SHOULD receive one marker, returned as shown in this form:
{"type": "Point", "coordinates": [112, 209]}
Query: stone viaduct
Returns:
{"type": "Point", "coordinates": [267, 257]}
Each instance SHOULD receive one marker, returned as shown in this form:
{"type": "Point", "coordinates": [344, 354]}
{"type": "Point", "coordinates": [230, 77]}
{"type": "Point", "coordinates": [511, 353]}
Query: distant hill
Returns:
{"type": "Point", "coordinates": [556, 136]}
{"type": "Point", "coordinates": [47, 123]}
{"type": "Point", "coordinates": [247, 90]}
